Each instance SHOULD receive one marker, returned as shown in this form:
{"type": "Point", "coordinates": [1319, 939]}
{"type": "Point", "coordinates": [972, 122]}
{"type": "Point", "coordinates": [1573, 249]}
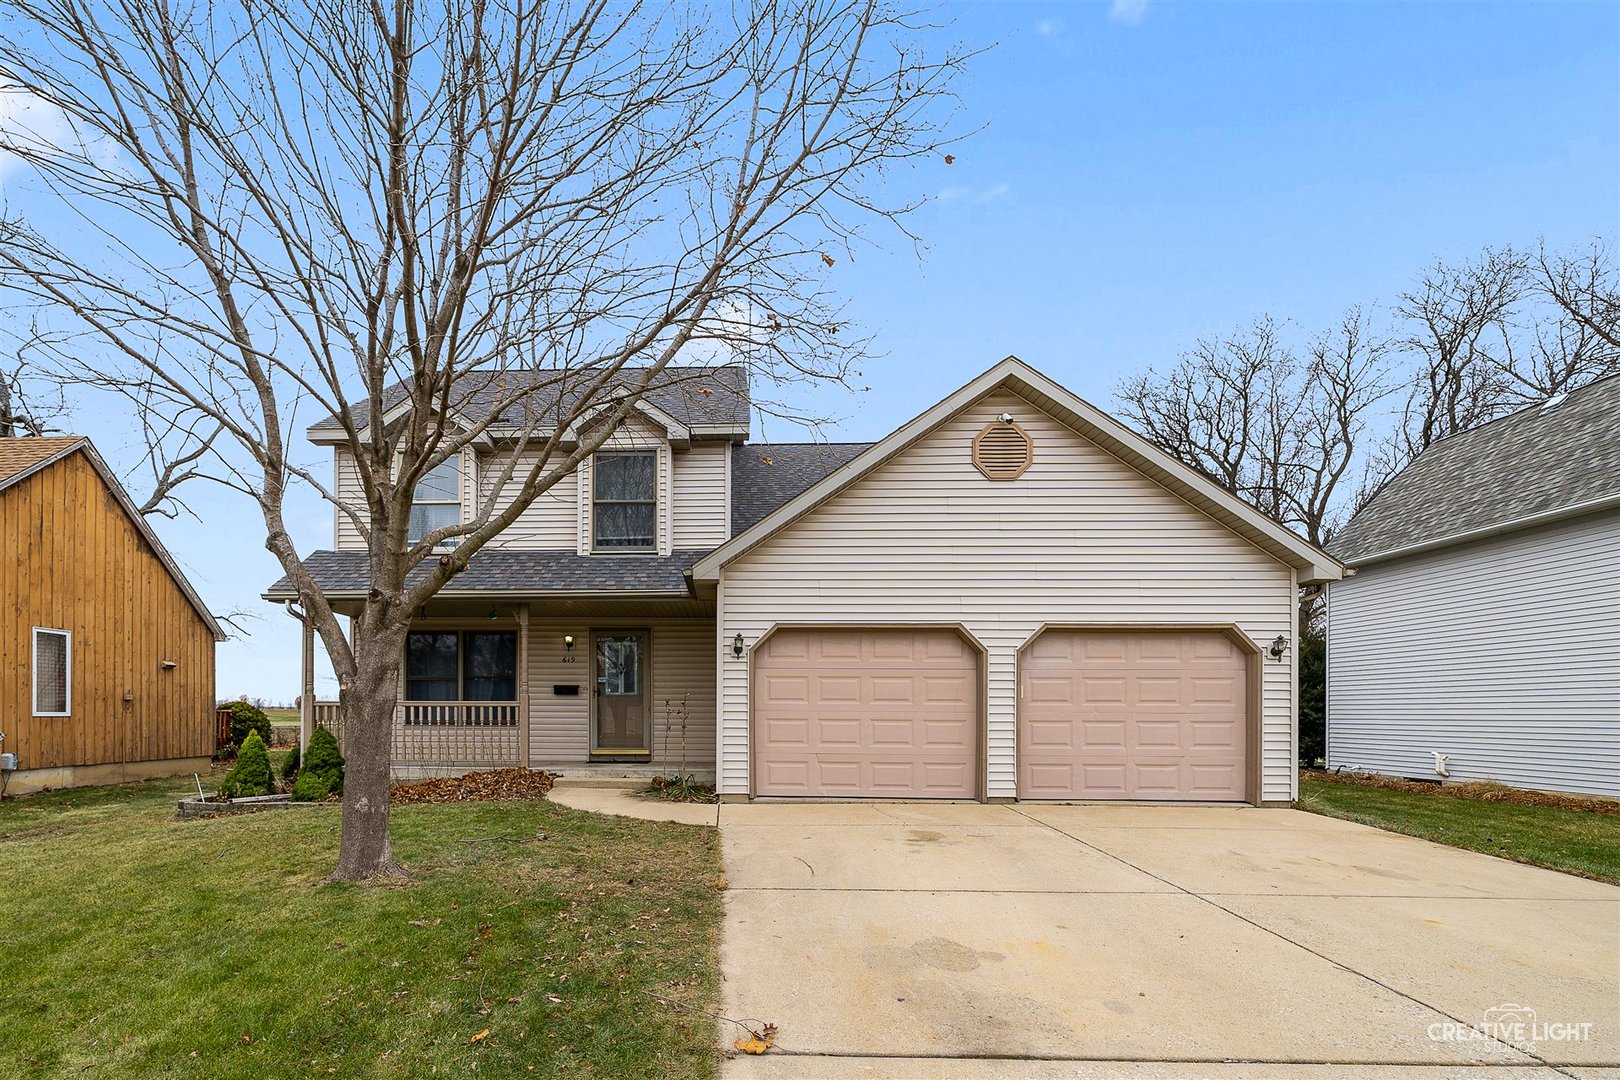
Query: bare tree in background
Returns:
{"type": "Point", "coordinates": [1586, 288]}
{"type": "Point", "coordinates": [283, 209]}
{"type": "Point", "coordinates": [1279, 431]}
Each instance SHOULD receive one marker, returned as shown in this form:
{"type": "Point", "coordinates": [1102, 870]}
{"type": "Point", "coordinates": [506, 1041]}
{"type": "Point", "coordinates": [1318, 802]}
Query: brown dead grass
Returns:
{"type": "Point", "coordinates": [1478, 790]}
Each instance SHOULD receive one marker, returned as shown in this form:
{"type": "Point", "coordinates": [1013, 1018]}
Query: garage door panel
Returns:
{"type": "Point", "coordinates": [888, 713]}
{"type": "Point", "coordinates": [1139, 715]}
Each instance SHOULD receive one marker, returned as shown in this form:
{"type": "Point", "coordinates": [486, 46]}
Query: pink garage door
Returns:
{"type": "Point", "coordinates": [1133, 715]}
{"type": "Point", "coordinates": [874, 713]}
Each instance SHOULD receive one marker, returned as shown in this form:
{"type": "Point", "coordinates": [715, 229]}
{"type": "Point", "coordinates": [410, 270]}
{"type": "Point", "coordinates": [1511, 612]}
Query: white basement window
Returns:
{"type": "Point", "coordinates": [53, 672]}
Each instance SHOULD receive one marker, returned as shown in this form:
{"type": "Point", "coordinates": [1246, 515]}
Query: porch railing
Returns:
{"type": "Point", "coordinates": [449, 735]}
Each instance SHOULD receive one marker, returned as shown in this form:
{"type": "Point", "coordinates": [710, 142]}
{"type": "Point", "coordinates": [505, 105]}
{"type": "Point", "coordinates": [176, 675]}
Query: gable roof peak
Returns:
{"type": "Point", "coordinates": [1136, 451]}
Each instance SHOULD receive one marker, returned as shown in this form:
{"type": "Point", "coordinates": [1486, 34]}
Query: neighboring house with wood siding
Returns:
{"type": "Point", "coordinates": [106, 651]}
{"type": "Point", "coordinates": [1478, 636]}
{"type": "Point", "coordinates": [1012, 596]}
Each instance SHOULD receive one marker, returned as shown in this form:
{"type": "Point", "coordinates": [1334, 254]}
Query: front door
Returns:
{"type": "Point", "coordinates": [622, 715]}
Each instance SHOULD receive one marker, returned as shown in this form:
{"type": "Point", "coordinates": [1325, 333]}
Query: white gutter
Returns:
{"type": "Point", "coordinates": [1546, 517]}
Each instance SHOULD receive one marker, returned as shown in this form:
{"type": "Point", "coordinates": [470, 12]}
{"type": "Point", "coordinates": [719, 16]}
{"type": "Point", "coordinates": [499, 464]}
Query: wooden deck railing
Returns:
{"type": "Point", "coordinates": [444, 734]}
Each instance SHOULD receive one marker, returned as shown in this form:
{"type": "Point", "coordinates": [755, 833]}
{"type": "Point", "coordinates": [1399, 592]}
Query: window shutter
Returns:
{"type": "Point", "coordinates": [1003, 450]}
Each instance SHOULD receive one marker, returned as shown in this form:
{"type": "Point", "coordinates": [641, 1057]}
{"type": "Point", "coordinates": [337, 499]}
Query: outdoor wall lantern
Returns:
{"type": "Point", "coordinates": [737, 646]}
{"type": "Point", "coordinates": [1279, 646]}
{"type": "Point", "coordinates": [568, 642]}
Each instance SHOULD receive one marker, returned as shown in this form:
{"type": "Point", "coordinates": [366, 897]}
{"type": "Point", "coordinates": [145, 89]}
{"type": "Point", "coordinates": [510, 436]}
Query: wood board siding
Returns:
{"type": "Point", "coordinates": [682, 655]}
{"type": "Point", "coordinates": [71, 559]}
{"type": "Point", "coordinates": [1503, 654]}
{"type": "Point", "coordinates": [1079, 538]}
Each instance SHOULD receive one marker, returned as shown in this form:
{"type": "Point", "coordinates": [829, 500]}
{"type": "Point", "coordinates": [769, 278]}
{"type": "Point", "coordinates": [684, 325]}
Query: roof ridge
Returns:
{"type": "Point", "coordinates": [1523, 410]}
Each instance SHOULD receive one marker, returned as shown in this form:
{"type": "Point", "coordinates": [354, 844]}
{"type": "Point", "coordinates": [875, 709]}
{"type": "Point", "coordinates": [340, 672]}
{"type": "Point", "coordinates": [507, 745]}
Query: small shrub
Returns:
{"type": "Point", "coordinates": [310, 788]}
{"type": "Point", "coordinates": [289, 766]}
{"type": "Point", "coordinates": [681, 787]}
{"type": "Point", "coordinates": [247, 718]}
{"type": "Point", "coordinates": [225, 753]}
{"type": "Point", "coordinates": [251, 773]}
{"type": "Point", "coordinates": [324, 760]}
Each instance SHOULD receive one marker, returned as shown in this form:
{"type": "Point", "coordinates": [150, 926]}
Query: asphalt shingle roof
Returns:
{"type": "Point", "coordinates": [692, 395]}
{"type": "Point", "coordinates": [1539, 460]}
{"type": "Point", "coordinates": [515, 570]}
{"type": "Point", "coordinates": [18, 455]}
{"type": "Point", "coordinates": [764, 476]}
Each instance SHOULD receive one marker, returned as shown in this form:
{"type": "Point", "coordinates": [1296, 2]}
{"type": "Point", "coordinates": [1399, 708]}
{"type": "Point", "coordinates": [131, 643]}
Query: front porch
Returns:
{"type": "Point", "coordinates": [611, 691]}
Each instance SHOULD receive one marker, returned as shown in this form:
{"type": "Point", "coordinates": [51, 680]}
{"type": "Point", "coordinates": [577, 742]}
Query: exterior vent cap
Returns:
{"type": "Point", "coordinates": [1003, 450]}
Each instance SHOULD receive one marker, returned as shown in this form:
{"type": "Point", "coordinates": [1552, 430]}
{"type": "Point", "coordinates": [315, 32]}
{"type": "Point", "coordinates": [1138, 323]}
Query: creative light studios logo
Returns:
{"type": "Point", "coordinates": [1515, 1025]}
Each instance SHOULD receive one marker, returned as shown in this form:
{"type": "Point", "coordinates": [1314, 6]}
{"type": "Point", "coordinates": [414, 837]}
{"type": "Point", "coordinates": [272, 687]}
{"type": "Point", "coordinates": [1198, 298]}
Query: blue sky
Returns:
{"type": "Point", "coordinates": [1149, 173]}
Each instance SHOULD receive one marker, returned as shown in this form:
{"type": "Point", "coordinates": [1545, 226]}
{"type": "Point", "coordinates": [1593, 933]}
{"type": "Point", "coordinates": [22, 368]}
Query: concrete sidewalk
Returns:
{"type": "Point", "coordinates": [931, 941]}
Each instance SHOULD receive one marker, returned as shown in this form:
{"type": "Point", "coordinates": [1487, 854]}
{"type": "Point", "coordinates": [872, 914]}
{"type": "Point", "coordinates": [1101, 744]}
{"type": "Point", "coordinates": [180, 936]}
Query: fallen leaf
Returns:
{"type": "Point", "coordinates": [478, 1038]}
{"type": "Point", "coordinates": [758, 1041]}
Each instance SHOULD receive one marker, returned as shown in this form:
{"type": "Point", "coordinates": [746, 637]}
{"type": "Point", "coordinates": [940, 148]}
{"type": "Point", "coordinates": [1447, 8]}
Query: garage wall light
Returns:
{"type": "Point", "coordinates": [737, 645]}
{"type": "Point", "coordinates": [1279, 646]}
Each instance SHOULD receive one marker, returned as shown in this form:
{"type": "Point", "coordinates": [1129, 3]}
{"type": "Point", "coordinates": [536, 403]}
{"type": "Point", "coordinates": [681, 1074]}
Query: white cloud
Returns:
{"type": "Point", "coordinates": [1128, 12]}
{"type": "Point", "coordinates": [1049, 27]}
{"type": "Point", "coordinates": [33, 125]}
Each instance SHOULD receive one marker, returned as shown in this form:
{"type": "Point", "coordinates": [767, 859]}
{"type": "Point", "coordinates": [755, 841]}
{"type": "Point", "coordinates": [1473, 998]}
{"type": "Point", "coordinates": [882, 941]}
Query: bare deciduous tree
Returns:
{"type": "Point", "coordinates": [1280, 432]}
{"type": "Point", "coordinates": [288, 208]}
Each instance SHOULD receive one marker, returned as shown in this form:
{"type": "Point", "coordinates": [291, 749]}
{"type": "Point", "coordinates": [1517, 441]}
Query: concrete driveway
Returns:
{"type": "Point", "coordinates": [930, 941]}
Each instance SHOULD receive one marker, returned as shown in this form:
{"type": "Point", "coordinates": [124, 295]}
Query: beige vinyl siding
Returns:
{"type": "Point", "coordinates": [550, 522]}
{"type": "Point", "coordinates": [1079, 538]}
{"type": "Point", "coordinates": [1503, 654]}
{"type": "Point", "coordinates": [693, 485]}
{"type": "Point", "coordinates": [701, 511]}
{"type": "Point", "coordinates": [350, 493]}
{"type": "Point", "coordinates": [682, 669]}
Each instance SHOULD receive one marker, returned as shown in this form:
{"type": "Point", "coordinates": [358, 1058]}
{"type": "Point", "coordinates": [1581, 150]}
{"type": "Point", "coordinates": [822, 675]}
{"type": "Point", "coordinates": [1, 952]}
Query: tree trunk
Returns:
{"type": "Point", "coordinates": [368, 720]}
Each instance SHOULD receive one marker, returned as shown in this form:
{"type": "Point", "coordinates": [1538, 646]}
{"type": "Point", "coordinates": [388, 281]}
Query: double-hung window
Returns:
{"type": "Point", "coordinates": [53, 672]}
{"type": "Point", "coordinates": [624, 501]}
{"type": "Point", "coordinates": [437, 500]}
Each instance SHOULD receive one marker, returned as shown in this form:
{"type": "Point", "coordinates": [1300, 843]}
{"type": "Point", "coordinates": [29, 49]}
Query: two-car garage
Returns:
{"type": "Point", "coordinates": [1158, 714]}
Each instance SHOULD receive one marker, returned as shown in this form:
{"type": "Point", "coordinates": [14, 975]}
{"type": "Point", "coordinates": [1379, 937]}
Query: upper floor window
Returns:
{"type": "Point", "coordinates": [437, 501]}
{"type": "Point", "coordinates": [624, 501]}
{"type": "Point", "coordinates": [53, 672]}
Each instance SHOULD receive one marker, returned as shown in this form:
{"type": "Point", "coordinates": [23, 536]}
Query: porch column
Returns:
{"type": "Point", "coordinates": [522, 613]}
{"type": "Point", "coordinates": [306, 700]}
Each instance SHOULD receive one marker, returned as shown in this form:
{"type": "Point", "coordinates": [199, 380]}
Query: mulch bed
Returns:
{"type": "Point", "coordinates": [1478, 790]}
{"type": "Point", "coordinates": [492, 786]}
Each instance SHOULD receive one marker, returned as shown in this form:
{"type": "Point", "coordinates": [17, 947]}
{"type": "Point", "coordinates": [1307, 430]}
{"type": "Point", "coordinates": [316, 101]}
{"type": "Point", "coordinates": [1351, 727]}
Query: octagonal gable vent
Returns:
{"type": "Point", "coordinates": [1003, 450]}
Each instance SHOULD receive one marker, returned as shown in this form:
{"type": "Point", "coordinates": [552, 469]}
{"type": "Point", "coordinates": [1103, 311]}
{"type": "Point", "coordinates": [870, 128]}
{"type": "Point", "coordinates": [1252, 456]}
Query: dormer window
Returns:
{"type": "Point", "coordinates": [437, 501]}
{"type": "Point", "coordinates": [624, 501]}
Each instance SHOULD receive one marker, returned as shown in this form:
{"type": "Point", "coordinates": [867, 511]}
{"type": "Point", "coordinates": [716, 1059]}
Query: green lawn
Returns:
{"type": "Point", "coordinates": [1574, 841]}
{"type": "Point", "coordinates": [137, 945]}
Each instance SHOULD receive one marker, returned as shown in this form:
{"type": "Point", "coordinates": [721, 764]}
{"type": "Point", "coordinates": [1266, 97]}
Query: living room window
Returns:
{"type": "Point", "coordinates": [624, 501]}
{"type": "Point", "coordinates": [437, 500]}
{"type": "Point", "coordinates": [53, 672]}
{"type": "Point", "coordinates": [461, 665]}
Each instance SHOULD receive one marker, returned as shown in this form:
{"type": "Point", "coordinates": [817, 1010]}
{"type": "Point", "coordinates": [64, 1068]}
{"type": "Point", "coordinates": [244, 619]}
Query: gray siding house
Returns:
{"type": "Point", "coordinates": [1477, 636]}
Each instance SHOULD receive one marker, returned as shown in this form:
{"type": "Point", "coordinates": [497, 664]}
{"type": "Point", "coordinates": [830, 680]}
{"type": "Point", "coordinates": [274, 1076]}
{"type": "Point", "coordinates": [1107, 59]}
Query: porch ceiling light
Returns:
{"type": "Point", "coordinates": [737, 645]}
